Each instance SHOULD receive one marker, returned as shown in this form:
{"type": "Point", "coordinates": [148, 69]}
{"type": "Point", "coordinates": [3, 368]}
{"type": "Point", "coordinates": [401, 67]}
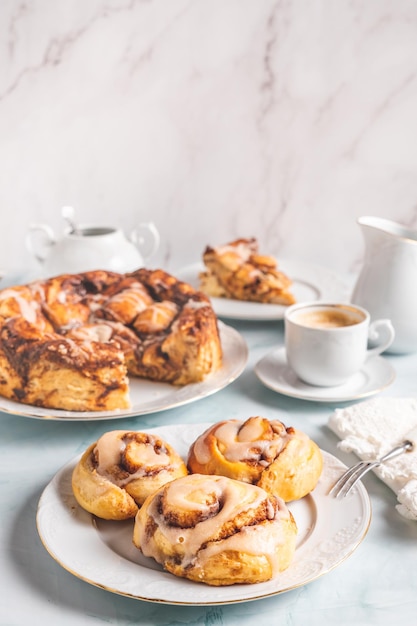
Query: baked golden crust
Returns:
{"type": "Point", "coordinates": [116, 473]}
{"type": "Point", "coordinates": [71, 341]}
{"type": "Point", "coordinates": [283, 461]}
{"type": "Point", "coordinates": [216, 530]}
{"type": "Point", "coordinates": [50, 370]}
{"type": "Point", "coordinates": [237, 270]}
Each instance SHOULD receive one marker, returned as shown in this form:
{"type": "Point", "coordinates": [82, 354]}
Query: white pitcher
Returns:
{"type": "Point", "coordinates": [387, 283]}
{"type": "Point", "coordinates": [92, 248]}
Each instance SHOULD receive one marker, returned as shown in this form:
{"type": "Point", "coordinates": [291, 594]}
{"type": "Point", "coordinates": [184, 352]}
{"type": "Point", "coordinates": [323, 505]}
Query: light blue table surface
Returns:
{"type": "Point", "coordinates": [377, 584]}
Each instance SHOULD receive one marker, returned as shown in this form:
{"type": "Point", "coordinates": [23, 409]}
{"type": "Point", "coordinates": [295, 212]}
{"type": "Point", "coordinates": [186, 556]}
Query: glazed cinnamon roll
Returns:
{"type": "Point", "coordinates": [283, 461]}
{"type": "Point", "coordinates": [116, 474]}
{"type": "Point", "coordinates": [216, 530]}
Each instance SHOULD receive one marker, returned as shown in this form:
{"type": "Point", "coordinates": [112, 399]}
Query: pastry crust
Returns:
{"type": "Point", "coordinates": [117, 473]}
{"type": "Point", "coordinates": [237, 270]}
{"type": "Point", "coordinates": [283, 461]}
{"type": "Point", "coordinates": [50, 370]}
{"type": "Point", "coordinates": [71, 341]}
{"type": "Point", "coordinates": [216, 530]}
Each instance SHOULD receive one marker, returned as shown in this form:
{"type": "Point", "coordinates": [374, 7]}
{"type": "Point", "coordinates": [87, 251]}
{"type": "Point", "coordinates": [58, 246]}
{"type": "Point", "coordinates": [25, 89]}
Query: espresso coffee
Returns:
{"type": "Point", "coordinates": [326, 343]}
{"type": "Point", "coordinates": [327, 317]}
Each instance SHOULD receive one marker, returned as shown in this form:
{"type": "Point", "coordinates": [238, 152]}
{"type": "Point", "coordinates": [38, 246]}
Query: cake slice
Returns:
{"type": "Point", "coordinates": [236, 270]}
{"type": "Point", "coordinates": [53, 371]}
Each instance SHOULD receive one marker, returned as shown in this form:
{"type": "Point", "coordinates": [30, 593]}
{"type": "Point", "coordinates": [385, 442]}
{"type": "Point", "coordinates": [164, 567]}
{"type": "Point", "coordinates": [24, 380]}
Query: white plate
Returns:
{"type": "Point", "coordinates": [310, 282]}
{"type": "Point", "coordinates": [274, 372]}
{"type": "Point", "coordinates": [148, 396]}
{"type": "Point", "coordinates": [102, 553]}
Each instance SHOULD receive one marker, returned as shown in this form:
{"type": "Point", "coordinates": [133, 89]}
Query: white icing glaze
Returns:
{"type": "Point", "coordinates": [67, 345]}
{"type": "Point", "coordinates": [100, 332]}
{"type": "Point", "coordinates": [95, 302]}
{"type": "Point", "coordinates": [241, 250]}
{"type": "Point", "coordinates": [240, 441]}
{"type": "Point", "coordinates": [234, 497]}
{"type": "Point", "coordinates": [37, 289]}
{"type": "Point", "coordinates": [157, 316]}
{"type": "Point", "coordinates": [27, 309]}
{"type": "Point", "coordinates": [110, 447]}
{"type": "Point", "coordinates": [137, 297]}
{"type": "Point", "coordinates": [9, 292]}
{"type": "Point", "coordinates": [195, 304]}
{"type": "Point", "coordinates": [255, 540]}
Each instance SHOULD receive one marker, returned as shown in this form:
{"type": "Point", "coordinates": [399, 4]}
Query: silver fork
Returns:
{"type": "Point", "coordinates": [351, 476]}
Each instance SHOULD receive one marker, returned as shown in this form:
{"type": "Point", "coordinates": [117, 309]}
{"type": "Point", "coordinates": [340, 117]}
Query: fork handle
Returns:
{"type": "Point", "coordinates": [406, 445]}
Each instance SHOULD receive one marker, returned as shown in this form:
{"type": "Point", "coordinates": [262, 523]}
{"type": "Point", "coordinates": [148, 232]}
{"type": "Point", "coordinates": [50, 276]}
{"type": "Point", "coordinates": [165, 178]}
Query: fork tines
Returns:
{"type": "Point", "coordinates": [349, 479]}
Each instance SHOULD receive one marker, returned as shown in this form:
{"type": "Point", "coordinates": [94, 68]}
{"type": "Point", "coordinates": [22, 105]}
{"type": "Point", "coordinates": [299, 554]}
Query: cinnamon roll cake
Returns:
{"type": "Point", "coordinates": [216, 530]}
{"type": "Point", "coordinates": [120, 470]}
{"type": "Point", "coordinates": [71, 342]}
{"type": "Point", "coordinates": [283, 461]}
{"type": "Point", "coordinates": [237, 270]}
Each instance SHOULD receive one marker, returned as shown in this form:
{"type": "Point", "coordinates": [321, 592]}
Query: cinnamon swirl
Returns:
{"type": "Point", "coordinates": [216, 530]}
{"type": "Point", "coordinates": [283, 461]}
{"type": "Point", "coordinates": [116, 473]}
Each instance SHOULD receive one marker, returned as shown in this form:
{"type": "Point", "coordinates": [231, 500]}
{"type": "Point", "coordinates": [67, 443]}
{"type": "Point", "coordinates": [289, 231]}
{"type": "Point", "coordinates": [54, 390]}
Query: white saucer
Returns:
{"type": "Point", "coordinates": [274, 372]}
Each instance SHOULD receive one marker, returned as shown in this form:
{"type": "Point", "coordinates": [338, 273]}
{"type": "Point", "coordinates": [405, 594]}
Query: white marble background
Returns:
{"type": "Point", "coordinates": [285, 120]}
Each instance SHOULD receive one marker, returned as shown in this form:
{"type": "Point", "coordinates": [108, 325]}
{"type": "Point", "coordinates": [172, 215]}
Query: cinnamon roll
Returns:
{"type": "Point", "coordinates": [116, 474]}
{"type": "Point", "coordinates": [283, 461]}
{"type": "Point", "coordinates": [216, 530]}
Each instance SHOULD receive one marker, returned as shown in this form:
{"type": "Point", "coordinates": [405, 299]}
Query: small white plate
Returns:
{"type": "Point", "coordinates": [148, 396]}
{"type": "Point", "coordinates": [102, 553]}
{"type": "Point", "coordinates": [275, 373]}
{"type": "Point", "coordinates": [310, 283]}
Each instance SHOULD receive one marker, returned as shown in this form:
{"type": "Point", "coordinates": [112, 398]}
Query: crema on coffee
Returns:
{"type": "Point", "coordinates": [327, 317]}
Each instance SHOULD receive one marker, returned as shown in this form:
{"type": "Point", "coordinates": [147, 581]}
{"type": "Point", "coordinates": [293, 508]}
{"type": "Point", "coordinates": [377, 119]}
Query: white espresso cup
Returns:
{"type": "Point", "coordinates": [327, 343]}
